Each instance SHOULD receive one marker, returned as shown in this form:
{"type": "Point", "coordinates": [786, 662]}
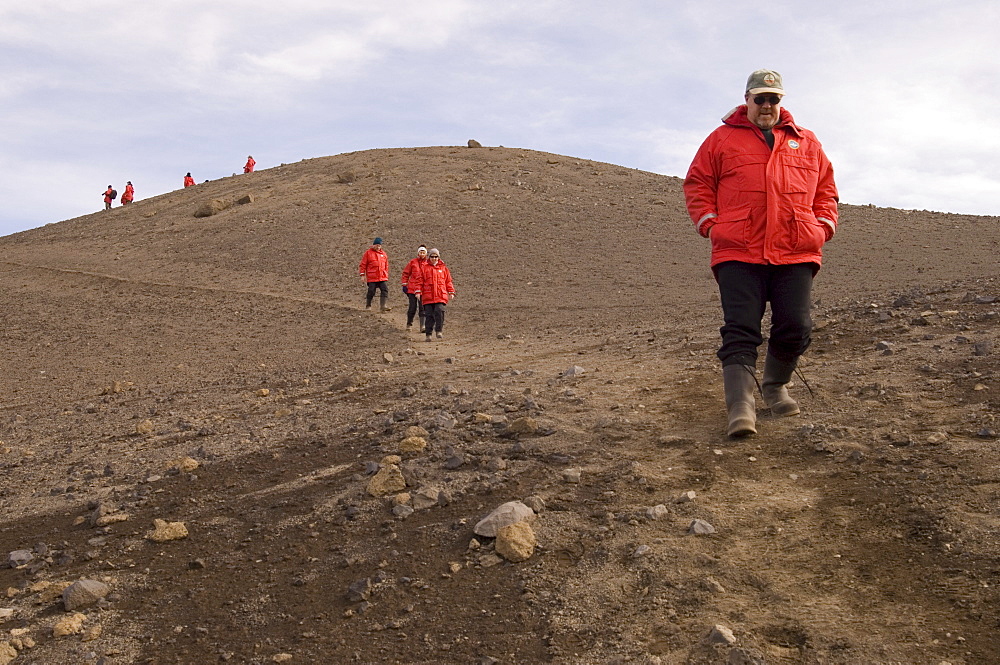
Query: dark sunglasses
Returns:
{"type": "Point", "coordinates": [434, 256]}
{"type": "Point", "coordinates": [773, 100]}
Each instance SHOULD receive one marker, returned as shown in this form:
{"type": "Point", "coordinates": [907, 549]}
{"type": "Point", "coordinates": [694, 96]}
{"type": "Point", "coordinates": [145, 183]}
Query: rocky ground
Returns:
{"type": "Point", "coordinates": [211, 453]}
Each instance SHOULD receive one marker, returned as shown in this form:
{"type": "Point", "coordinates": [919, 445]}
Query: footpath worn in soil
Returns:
{"type": "Point", "coordinates": [219, 373]}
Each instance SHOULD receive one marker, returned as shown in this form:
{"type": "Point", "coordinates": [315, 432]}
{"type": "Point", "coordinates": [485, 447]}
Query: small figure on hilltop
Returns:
{"type": "Point", "coordinates": [435, 292]}
{"type": "Point", "coordinates": [129, 194]}
{"type": "Point", "coordinates": [412, 277]}
{"type": "Point", "coordinates": [109, 195]}
{"type": "Point", "coordinates": [762, 190]}
{"type": "Point", "coordinates": [374, 271]}
{"type": "Point", "coordinates": [248, 167]}
{"type": "Point", "coordinates": [188, 180]}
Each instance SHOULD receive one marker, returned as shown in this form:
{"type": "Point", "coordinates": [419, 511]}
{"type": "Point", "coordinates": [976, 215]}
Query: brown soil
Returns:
{"type": "Point", "coordinates": [865, 530]}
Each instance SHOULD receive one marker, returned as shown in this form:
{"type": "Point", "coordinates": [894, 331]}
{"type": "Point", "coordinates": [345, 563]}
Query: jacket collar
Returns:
{"type": "Point", "coordinates": [738, 118]}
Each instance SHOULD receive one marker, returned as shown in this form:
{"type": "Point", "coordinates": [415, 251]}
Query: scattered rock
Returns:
{"type": "Point", "coordinates": [575, 370]}
{"type": "Point", "coordinates": [515, 542]}
{"type": "Point", "coordinates": [144, 427]}
{"type": "Point", "coordinates": [571, 476]}
{"type": "Point", "coordinates": [719, 634]}
{"type": "Point", "coordinates": [7, 653]}
{"type": "Point", "coordinates": [164, 531]}
{"type": "Point", "coordinates": [83, 593]}
{"type": "Point", "coordinates": [509, 513]}
{"type": "Point", "coordinates": [402, 511]}
{"type": "Point", "coordinates": [641, 551]}
{"type": "Point", "coordinates": [185, 465]}
{"type": "Point", "coordinates": [657, 512]}
{"type": "Point", "coordinates": [686, 497]}
{"type": "Point", "coordinates": [700, 528]}
{"type": "Point", "coordinates": [19, 558]}
{"type": "Point", "coordinates": [71, 625]}
{"type": "Point", "coordinates": [413, 444]}
{"type": "Point", "coordinates": [213, 207]}
{"type": "Point", "coordinates": [426, 497]}
{"type": "Point", "coordinates": [388, 480]}
{"type": "Point", "coordinates": [535, 502]}
{"type": "Point", "coordinates": [522, 426]}
{"type": "Point", "coordinates": [473, 143]}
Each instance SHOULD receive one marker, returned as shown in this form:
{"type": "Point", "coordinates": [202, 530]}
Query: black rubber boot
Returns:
{"type": "Point", "coordinates": [773, 386]}
{"type": "Point", "coordinates": [739, 383]}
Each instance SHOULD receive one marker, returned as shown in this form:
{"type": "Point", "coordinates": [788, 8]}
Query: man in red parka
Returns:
{"type": "Point", "coordinates": [248, 167]}
{"type": "Point", "coordinates": [188, 180]}
{"type": "Point", "coordinates": [374, 271]}
{"type": "Point", "coordinates": [436, 290]}
{"type": "Point", "coordinates": [762, 190]}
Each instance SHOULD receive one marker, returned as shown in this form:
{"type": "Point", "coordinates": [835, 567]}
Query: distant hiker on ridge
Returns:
{"type": "Point", "coordinates": [248, 167]}
{"type": "Point", "coordinates": [374, 271]}
{"type": "Point", "coordinates": [188, 180]}
{"type": "Point", "coordinates": [129, 194]}
{"type": "Point", "coordinates": [412, 276]}
{"type": "Point", "coordinates": [761, 189]}
{"type": "Point", "coordinates": [109, 196]}
{"type": "Point", "coordinates": [435, 292]}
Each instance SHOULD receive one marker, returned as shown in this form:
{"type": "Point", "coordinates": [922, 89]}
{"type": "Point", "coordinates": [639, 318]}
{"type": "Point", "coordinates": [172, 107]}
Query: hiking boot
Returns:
{"type": "Point", "coordinates": [774, 386]}
{"type": "Point", "coordinates": [440, 336]}
{"type": "Point", "coordinates": [428, 338]}
{"type": "Point", "coordinates": [739, 382]}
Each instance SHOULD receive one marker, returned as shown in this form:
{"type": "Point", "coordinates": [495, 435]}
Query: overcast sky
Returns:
{"type": "Point", "coordinates": [902, 93]}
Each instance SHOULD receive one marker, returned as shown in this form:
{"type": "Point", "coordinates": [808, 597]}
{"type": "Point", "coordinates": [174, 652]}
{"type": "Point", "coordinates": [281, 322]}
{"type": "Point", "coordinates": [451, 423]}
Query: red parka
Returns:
{"type": "Point", "coordinates": [129, 194]}
{"type": "Point", "coordinates": [761, 205]}
{"type": "Point", "coordinates": [435, 284]}
{"type": "Point", "coordinates": [248, 167]}
{"type": "Point", "coordinates": [188, 181]}
{"type": "Point", "coordinates": [412, 275]}
{"type": "Point", "coordinates": [374, 265]}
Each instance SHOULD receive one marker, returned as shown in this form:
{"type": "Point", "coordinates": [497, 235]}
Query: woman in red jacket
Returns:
{"type": "Point", "coordinates": [129, 194]}
{"type": "Point", "coordinates": [188, 180]}
{"type": "Point", "coordinates": [412, 276]}
{"type": "Point", "coordinates": [248, 167]}
{"type": "Point", "coordinates": [436, 290]}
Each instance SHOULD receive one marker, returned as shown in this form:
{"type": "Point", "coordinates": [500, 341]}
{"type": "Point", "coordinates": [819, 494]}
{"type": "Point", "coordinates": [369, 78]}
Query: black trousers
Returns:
{"type": "Point", "coordinates": [415, 309]}
{"type": "Point", "coordinates": [746, 288]}
{"type": "Point", "coordinates": [434, 316]}
{"type": "Point", "coordinates": [381, 286]}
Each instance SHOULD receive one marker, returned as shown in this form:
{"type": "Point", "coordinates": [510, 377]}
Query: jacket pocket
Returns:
{"type": "Point", "coordinates": [810, 233]}
{"type": "Point", "coordinates": [730, 231]}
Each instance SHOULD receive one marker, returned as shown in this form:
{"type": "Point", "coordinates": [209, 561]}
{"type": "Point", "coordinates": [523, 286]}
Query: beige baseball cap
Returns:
{"type": "Point", "coordinates": [765, 80]}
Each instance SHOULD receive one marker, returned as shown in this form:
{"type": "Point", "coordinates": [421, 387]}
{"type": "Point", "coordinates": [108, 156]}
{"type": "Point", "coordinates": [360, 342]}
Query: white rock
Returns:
{"type": "Point", "coordinates": [509, 513]}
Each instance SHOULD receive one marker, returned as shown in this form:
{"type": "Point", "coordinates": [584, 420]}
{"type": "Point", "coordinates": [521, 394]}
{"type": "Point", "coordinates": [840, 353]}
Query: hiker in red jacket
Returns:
{"type": "Point", "coordinates": [248, 167]}
{"type": "Point", "coordinates": [374, 271]}
{"type": "Point", "coordinates": [435, 292]}
{"type": "Point", "coordinates": [761, 189]}
{"type": "Point", "coordinates": [129, 194]}
{"type": "Point", "coordinates": [188, 180]}
{"type": "Point", "coordinates": [109, 196]}
{"type": "Point", "coordinates": [412, 277]}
